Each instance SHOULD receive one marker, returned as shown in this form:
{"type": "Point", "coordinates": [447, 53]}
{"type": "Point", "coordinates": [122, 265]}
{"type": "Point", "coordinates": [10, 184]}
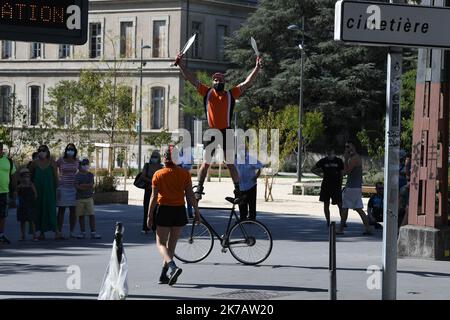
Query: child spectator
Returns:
{"type": "Point", "coordinates": [375, 207]}
{"type": "Point", "coordinates": [27, 194]}
{"type": "Point", "coordinates": [84, 183]}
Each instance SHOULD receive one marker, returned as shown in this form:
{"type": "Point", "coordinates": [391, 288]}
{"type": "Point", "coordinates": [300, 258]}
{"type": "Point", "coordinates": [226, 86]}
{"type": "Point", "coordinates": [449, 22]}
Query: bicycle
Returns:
{"type": "Point", "coordinates": [249, 241]}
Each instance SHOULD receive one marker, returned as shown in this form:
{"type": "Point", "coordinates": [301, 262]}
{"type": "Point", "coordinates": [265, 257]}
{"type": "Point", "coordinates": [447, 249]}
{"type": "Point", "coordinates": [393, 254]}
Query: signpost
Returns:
{"type": "Point", "coordinates": [50, 21]}
{"type": "Point", "coordinates": [395, 26]}
{"type": "Point", "coordinates": [388, 24]}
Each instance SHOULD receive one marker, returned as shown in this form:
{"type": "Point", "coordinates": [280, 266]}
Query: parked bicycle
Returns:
{"type": "Point", "coordinates": [249, 241]}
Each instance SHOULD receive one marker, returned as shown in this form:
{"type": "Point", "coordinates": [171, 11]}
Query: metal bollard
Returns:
{"type": "Point", "coordinates": [332, 261]}
{"type": "Point", "coordinates": [118, 237]}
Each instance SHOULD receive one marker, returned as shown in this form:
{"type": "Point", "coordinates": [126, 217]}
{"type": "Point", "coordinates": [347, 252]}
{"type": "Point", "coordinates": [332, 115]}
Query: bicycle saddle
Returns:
{"type": "Point", "coordinates": [232, 200]}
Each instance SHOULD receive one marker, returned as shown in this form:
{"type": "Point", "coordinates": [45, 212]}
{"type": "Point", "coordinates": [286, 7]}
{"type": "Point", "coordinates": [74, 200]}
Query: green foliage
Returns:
{"type": "Point", "coordinates": [286, 121]}
{"type": "Point", "coordinates": [159, 139]}
{"type": "Point", "coordinates": [106, 183]}
{"type": "Point", "coordinates": [312, 127]}
{"type": "Point", "coordinates": [345, 83]}
{"type": "Point", "coordinates": [191, 101]}
{"type": "Point", "coordinates": [373, 141]}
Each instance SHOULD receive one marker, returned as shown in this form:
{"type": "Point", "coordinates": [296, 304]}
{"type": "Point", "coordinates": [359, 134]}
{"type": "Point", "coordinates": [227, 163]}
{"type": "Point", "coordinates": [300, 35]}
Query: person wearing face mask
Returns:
{"type": "Point", "coordinates": [44, 175]}
{"type": "Point", "coordinates": [148, 171]}
{"type": "Point", "coordinates": [330, 169]}
{"type": "Point", "coordinates": [219, 105]}
{"type": "Point", "coordinates": [352, 193]}
{"type": "Point", "coordinates": [66, 192]}
{"type": "Point", "coordinates": [84, 184]}
{"type": "Point", "coordinates": [27, 194]}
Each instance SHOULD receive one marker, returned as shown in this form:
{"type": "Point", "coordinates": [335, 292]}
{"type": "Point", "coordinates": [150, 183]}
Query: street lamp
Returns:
{"type": "Point", "coordinates": [300, 104]}
{"type": "Point", "coordinates": [140, 106]}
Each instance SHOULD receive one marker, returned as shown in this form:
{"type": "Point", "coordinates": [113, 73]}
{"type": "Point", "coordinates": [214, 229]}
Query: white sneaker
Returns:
{"type": "Point", "coordinates": [82, 235]}
{"type": "Point", "coordinates": [95, 236]}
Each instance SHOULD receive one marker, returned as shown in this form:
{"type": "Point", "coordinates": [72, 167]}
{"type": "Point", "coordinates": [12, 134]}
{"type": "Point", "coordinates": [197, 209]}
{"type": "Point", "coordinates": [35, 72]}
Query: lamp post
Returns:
{"type": "Point", "coordinates": [300, 104]}
{"type": "Point", "coordinates": [140, 106]}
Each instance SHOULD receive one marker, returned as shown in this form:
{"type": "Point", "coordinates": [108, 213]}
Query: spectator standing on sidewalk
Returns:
{"type": "Point", "coordinates": [352, 193]}
{"type": "Point", "coordinates": [169, 187]}
{"type": "Point", "coordinates": [185, 161]}
{"type": "Point", "coordinates": [330, 169]}
{"type": "Point", "coordinates": [84, 184]}
{"type": "Point", "coordinates": [7, 170]}
{"type": "Point", "coordinates": [249, 170]}
{"type": "Point", "coordinates": [153, 165]}
{"type": "Point", "coordinates": [27, 194]}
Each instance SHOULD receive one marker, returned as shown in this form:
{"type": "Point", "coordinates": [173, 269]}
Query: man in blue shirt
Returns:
{"type": "Point", "coordinates": [249, 170]}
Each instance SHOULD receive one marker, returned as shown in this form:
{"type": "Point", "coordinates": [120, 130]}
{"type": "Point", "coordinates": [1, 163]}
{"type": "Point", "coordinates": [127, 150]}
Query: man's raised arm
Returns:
{"type": "Point", "coordinates": [186, 74]}
{"type": "Point", "coordinates": [252, 76]}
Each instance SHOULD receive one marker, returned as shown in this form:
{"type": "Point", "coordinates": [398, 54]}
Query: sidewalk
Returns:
{"type": "Point", "coordinates": [284, 201]}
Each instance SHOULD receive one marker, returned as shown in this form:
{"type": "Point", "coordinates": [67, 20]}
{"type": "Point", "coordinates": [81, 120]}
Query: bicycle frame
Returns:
{"type": "Point", "coordinates": [229, 226]}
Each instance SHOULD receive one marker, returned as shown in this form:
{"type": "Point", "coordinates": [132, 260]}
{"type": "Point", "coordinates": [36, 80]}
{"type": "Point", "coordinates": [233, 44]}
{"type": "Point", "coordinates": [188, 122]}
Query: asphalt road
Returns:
{"type": "Point", "coordinates": [296, 269]}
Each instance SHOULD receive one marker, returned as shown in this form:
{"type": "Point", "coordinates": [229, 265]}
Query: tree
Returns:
{"type": "Point", "coordinates": [345, 83]}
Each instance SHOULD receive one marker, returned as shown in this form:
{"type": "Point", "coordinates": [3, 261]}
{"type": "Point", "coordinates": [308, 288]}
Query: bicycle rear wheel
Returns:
{"type": "Point", "coordinates": [195, 243]}
{"type": "Point", "coordinates": [250, 242]}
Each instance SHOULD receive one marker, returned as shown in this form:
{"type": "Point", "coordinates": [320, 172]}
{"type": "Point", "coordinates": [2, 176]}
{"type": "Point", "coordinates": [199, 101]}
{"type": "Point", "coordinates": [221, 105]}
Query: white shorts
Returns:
{"type": "Point", "coordinates": [352, 198]}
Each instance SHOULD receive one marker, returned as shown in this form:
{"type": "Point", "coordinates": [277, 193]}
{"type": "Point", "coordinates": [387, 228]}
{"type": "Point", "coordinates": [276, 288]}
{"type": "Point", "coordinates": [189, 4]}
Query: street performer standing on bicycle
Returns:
{"type": "Point", "coordinates": [170, 186]}
{"type": "Point", "coordinates": [219, 106]}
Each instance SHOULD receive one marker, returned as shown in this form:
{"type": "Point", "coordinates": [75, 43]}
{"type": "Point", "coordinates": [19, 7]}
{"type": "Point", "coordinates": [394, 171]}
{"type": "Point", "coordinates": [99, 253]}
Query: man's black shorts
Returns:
{"type": "Point", "coordinates": [333, 192]}
{"type": "Point", "coordinates": [223, 144]}
{"type": "Point", "coordinates": [171, 216]}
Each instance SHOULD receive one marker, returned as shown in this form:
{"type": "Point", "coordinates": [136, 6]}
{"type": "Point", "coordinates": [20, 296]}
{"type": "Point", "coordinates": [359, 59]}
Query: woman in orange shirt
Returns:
{"type": "Point", "coordinates": [170, 186]}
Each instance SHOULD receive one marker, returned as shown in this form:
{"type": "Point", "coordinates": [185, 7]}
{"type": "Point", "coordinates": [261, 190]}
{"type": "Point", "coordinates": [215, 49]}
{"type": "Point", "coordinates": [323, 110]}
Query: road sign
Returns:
{"type": "Point", "coordinates": [387, 24]}
{"type": "Point", "coordinates": [51, 21]}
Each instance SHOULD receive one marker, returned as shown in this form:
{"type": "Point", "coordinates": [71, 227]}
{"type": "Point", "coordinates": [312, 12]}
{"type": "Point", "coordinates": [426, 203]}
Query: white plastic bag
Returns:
{"type": "Point", "coordinates": [114, 286]}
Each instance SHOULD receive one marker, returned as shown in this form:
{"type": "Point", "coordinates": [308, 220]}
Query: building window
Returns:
{"type": "Point", "coordinates": [222, 32]}
{"type": "Point", "coordinates": [7, 49]}
{"type": "Point", "coordinates": [126, 39]}
{"type": "Point", "coordinates": [95, 37]}
{"type": "Point", "coordinates": [124, 101]}
{"type": "Point", "coordinates": [158, 102]}
{"type": "Point", "coordinates": [5, 104]}
{"type": "Point", "coordinates": [36, 50]}
{"type": "Point", "coordinates": [198, 44]}
{"type": "Point", "coordinates": [64, 51]}
{"type": "Point", "coordinates": [35, 102]}
{"type": "Point", "coordinates": [159, 39]}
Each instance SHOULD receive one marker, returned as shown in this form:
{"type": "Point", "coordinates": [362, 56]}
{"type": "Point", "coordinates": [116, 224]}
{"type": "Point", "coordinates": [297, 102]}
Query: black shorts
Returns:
{"type": "Point", "coordinates": [171, 216]}
{"type": "Point", "coordinates": [334, 193]}
{"type": "Point", "coordinates": [223, 144]}
{"type": "Point", "coordinates": [4, 201]}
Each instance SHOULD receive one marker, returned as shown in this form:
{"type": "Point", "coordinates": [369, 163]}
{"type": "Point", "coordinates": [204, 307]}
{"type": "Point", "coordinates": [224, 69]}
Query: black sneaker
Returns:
{"type": "Point", "coordinates": [174, 275]}
{"type": "Point", "coordinates": [163, 279]}
{"type": "Point", "coordinates": [4, 240]}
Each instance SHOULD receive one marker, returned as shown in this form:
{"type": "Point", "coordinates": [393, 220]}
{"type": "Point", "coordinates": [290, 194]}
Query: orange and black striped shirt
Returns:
{"type": "Point", "coordinates": [219, 106]}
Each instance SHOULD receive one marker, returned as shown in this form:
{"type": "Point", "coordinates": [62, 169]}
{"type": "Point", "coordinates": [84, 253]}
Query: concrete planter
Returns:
{"type": "Point", "coordinates": [111, 197]}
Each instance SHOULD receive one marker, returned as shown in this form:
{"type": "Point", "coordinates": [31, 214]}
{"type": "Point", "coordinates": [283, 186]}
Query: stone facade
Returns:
{"type": "Point", "coordinates": [116, 28]}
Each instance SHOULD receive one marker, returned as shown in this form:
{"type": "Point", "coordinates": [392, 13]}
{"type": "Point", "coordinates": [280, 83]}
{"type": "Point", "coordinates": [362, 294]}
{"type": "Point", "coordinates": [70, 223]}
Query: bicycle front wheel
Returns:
{"type": "Point", "coordinates": [195, 243]}
{"type": "Point", "coordinates": [250, 242]}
